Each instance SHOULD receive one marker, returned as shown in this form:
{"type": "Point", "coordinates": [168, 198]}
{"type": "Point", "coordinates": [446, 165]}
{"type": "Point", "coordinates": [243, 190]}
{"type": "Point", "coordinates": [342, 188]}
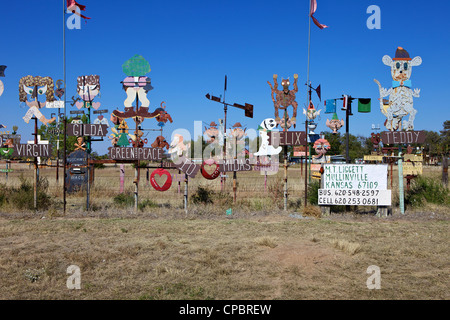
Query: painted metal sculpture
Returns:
{"type": "Point", "coordinates": [35, 87]}
{"type": "Point", "coordinates": [311, 113]}
{"type": "Point", "coordinates": [2, 74]}
{"type": "Point", "coordinates": [321, 146]}
{"type": "Point", "coordinates": [236, 136]}
{"type": "Point", "coordinates": [335, 124]}
{"type": "Point", "coordinates": [88, 87]}
{"type": "Point", "coordinates": [265, 149]}
{"type": "Point", "coordinates": [212, 133]}
{"type": "Point", "coordinates": [2, 87]}
{"type": "Point", "coordinates": [282, 99]}
{"type": "Point", "coordinates": [400, 95]}
{"type": "Point", "coordinates": [163, 116]}
{"type": "Point", "coordinates": [160, 142]}
{"type": "Point", "coordinates": [376, 139]}
{"type": "Point", "coordinates": [177, 146]}
{"type": "Point", "coordinates": [136, 86]}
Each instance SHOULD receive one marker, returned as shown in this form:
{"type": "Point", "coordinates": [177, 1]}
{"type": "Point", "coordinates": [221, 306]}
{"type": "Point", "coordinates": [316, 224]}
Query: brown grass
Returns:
{"type": "Point", "coordinates": [170, 255]}
{"type": "Point", "coordinates": [260, 252]}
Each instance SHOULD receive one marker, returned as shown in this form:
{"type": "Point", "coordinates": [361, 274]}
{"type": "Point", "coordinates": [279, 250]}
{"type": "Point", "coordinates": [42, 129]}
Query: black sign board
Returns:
{"type": "Point", "coordinates": [132, 153]}
{"type": "Point", "coordinates": [32, 150]}
{"type": "Point", "coordinates": [87, 130]}
{"type": "Point", "coordinates": [77, 176]}
{"type": "Point", "coordinates": [287, 138]}
{"type": "Point", "coordinates": [187, 166]}
{"type": "Point", "coordinates": [235, 165]}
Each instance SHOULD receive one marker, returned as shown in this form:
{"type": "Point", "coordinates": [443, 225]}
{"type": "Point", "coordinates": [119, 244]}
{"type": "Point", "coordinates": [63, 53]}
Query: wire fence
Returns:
{"type": "Point", "coordinates": [108, 182]}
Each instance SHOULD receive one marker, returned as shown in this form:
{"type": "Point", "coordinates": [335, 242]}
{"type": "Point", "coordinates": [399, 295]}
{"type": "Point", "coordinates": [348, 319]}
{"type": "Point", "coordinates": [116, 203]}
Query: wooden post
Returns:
{"type": "Point", "coordinates": [325, 210]}
{"type": "Point", "coordinates": [36, 174]}
{"type": "Point", "coordinates": [186, 181]}
{"type": "Point", "coordinates": [400, 182]}
{"type": "Point", "coordinates": [122, 177]}
{"type": "Point", "coordinates": [445, 170]}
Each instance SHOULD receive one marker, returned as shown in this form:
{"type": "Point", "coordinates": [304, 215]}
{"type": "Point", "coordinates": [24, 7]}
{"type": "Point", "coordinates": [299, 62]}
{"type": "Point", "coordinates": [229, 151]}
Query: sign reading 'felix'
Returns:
{"type": "Point", "coordinates": [287, 138]}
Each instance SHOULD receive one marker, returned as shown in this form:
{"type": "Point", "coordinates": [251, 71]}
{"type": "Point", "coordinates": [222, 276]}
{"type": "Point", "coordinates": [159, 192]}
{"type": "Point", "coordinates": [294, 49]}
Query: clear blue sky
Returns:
{"type": "Point", "coordinates": [192, 45]}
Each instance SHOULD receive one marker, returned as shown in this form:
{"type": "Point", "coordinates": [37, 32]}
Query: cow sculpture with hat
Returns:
{"type": "Point", "coordinates": [400, 95]}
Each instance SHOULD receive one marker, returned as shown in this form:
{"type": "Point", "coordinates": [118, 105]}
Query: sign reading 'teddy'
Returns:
{"type": "Point", "coordinates": [401, 137]}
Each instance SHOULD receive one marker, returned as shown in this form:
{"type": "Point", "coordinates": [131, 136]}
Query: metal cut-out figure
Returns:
{"type": "Point", "coordinates": [400, 94]}
{"type": "Point", "coordinates": [282, 99]}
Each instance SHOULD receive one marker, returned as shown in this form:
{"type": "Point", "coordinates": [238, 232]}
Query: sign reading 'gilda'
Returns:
{"type": "Point", "coordinates": [87, 130]}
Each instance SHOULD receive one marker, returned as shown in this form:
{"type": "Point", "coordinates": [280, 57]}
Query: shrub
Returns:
{"type": "Point", "coordinates": [124, 200]}
{"type": "Point", "coordinates": [427, 190]}
{"type": "Point", "coordinates": [313, 192]}
{"type": "Point", "coordinates": [23, 196]}
{"type": "Point", "coordinates": [202, 196]}
{"type": "Point", "coordinates": [147, 204]}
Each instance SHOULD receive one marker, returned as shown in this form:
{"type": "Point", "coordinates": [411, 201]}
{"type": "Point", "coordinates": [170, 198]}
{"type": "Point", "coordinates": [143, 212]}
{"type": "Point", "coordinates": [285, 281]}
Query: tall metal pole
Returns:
{"type": "Point", "coordinates": [306, 121]}
{"type": "Point", "coordinates": [65, 99]}
{"type": "Point", "coordinates": [36, 174]}
{"type": "Point", "coordinates": [136, 172]}
{"type": "Point", "coordinates": [223, 179]}
{"type": "Point", "coordinates": [347, 127]}
{"type": "Point", "coordinates": [285, 165]}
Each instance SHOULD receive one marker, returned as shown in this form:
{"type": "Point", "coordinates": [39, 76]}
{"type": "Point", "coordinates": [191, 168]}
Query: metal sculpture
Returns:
{"type": "Point", "coordinates": [177, 146]}
{"type": "Point", "coordinates": [160, 142]}
{"type": "Point", "coordinates": [163, 116]}
{"type": "Point", "coordinates": [2, 74]}
{"type": "Point", "coordinates": [237, 135]}
{"type": "Point", "coordinates": [321, 146]}
{"type": "Point", "coordinates": [335, 124]}
{"type": "Point", "coordinates": [376, 139]}
{"type": "Point", "coordinates": [265, 149]}
{"type": "Point", "coordinates": [88, 87]}
{"type": "Point", "coordinates": [161, 172]}
{"type": "Point", "coordinates": [35, 87]}
{"type": "Point", "coordinates": [282, 99]}
{"type": "Point", "coordinates": [311, 113]}
{"type": "Point", "coordinates": [212, 133]}
{"type": "Point", "coordinates": [400, 95]}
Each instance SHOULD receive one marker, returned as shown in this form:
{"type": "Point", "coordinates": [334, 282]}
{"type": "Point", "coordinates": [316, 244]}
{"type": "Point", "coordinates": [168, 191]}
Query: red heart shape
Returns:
{"type": "Point", "coordinates": [161, 172]}
{"type": "Point", "coordinates": [214, 174]}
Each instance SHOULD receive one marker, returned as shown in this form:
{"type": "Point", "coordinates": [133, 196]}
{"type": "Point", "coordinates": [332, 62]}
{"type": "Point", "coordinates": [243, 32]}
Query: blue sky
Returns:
{"type": "Point", "coordinates": [192, 45]}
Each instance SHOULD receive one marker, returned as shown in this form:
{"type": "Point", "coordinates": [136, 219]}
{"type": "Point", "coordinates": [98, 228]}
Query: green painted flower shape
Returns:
{"type": "Point", "coordinates": [137, 66]}
{"type": "Point", "coordinates": [6, 152]}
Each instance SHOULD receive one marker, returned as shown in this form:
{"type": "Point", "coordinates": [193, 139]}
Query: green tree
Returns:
{"type": "Point", "coordinates": [445, 136]}
{"type": "Point", "coordinates": [48, 133]}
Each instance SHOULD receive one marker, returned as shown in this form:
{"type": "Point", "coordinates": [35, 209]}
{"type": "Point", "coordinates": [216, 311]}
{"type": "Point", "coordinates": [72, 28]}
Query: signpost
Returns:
{"type": "Point", "coordinates": [248, 108]}
{"type": "Point", "coordinates": [350, 184]}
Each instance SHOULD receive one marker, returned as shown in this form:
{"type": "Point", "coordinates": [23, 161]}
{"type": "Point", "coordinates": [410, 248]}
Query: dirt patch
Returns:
{"type": "Point", "coordinates": [305, 255]}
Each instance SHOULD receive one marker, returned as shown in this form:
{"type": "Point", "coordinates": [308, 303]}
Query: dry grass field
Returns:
{"type": "Point", "coordinates": [259, 252]}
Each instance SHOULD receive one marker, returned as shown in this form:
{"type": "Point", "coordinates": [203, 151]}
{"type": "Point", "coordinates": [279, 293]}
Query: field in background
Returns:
{"type": "Point", "coordinates": [257, 252]}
